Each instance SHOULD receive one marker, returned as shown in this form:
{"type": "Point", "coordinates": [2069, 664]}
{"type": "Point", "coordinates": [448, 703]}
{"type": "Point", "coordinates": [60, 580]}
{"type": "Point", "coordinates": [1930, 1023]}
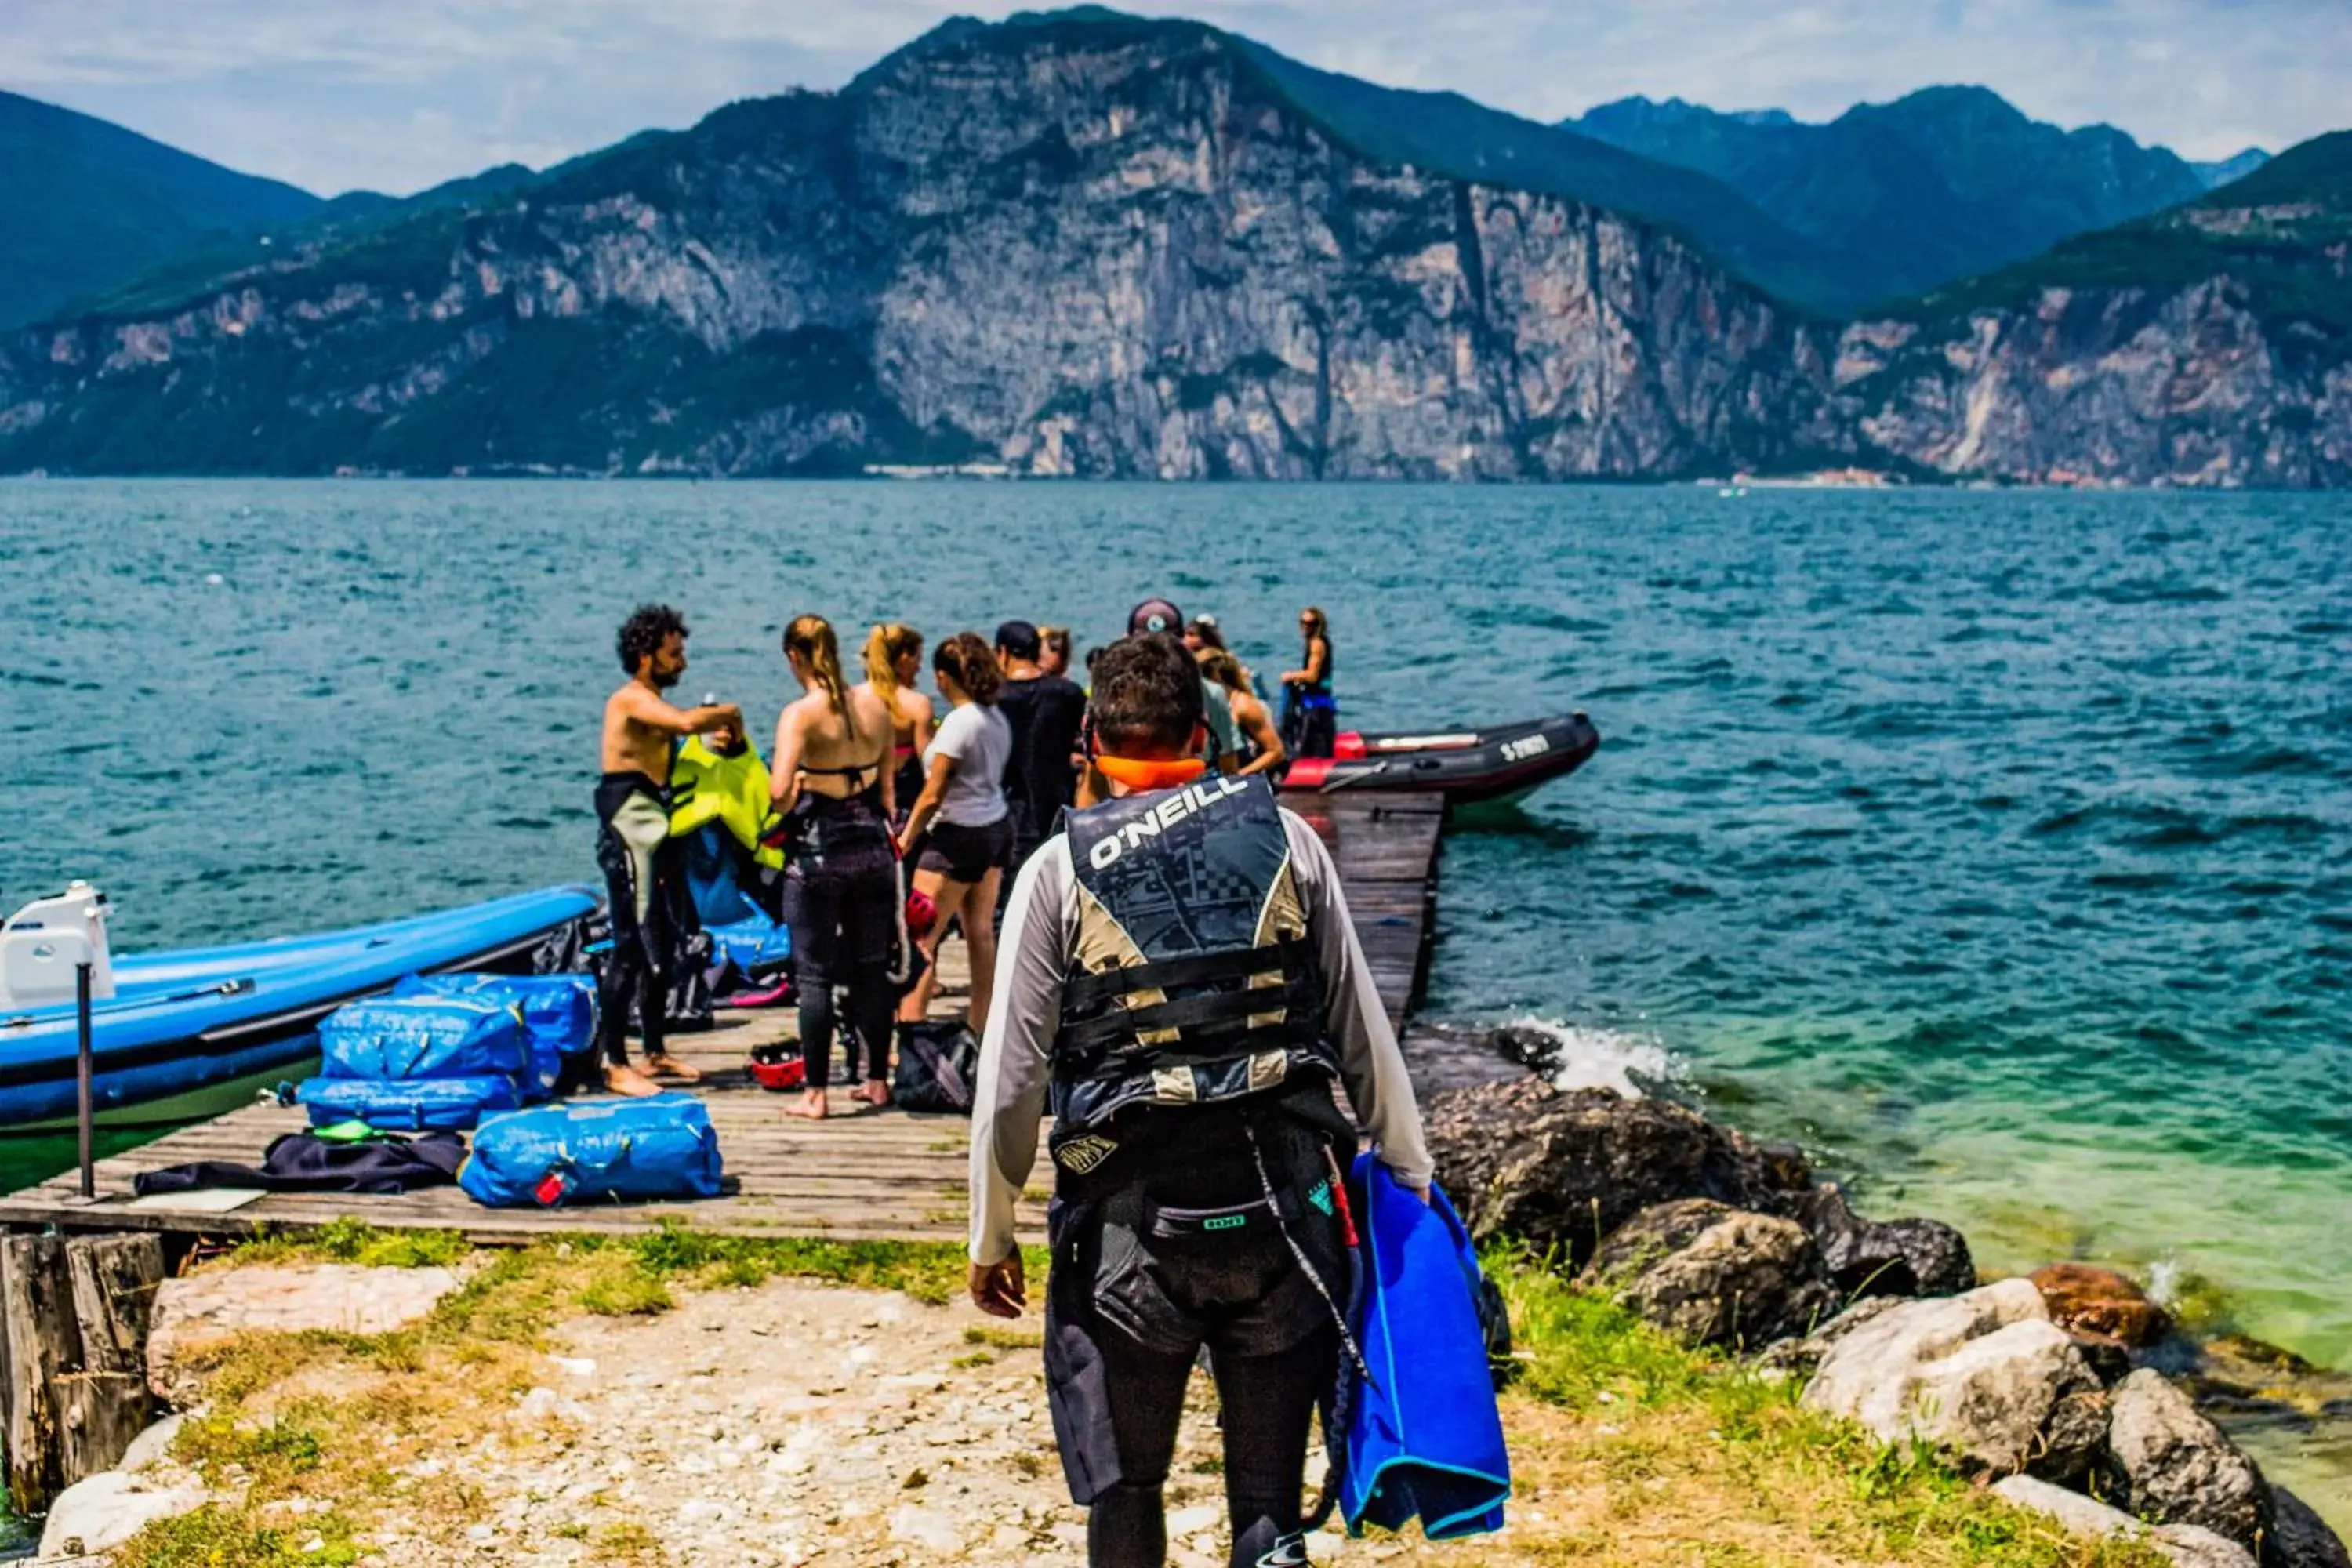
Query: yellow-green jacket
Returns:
{"type": "Point", "coordinates": [732, 791]}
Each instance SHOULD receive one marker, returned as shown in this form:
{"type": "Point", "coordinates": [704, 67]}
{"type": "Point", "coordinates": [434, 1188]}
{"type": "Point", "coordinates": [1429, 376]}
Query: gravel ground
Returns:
{"type": "Point", "coordinates": [793, 1424]}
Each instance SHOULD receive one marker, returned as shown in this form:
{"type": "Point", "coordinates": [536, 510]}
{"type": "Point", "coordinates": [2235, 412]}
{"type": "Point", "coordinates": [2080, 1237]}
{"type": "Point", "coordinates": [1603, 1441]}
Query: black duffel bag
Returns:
{"type": "Point", "coordinates": [937, 1069]}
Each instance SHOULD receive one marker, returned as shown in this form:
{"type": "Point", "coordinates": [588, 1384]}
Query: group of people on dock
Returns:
{"type": "Point", "coordinates": [897, 822]}
{"type": "Point", "coordinates": [1180, 988]}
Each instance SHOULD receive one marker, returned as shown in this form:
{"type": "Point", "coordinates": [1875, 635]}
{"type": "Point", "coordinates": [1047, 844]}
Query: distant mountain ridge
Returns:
{"type": "Point", "coordinates": [1067, 245]}
{"type": "Point", "coordinates": [1087, 244]}
{"type": "Point", "coordinates": [86, 205]}
{"type": "Point", "coordinates": [1940, 185]}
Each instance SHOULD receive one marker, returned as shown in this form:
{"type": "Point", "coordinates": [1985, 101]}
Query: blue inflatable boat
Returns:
{"type": "Point", "coordinates": [186, 1025]}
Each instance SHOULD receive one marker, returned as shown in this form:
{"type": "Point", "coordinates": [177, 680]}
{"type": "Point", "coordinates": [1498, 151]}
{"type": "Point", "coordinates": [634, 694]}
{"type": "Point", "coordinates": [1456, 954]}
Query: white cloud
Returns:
{"type": "Point", "coordinates": [334, 95]}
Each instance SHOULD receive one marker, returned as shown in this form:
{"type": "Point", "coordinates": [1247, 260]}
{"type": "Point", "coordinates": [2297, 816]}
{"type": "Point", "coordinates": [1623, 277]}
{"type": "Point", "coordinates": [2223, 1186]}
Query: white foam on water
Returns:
{"type": "Point", "coordinates": [2163, 1283]}
{"type": "Point", "coordinates": [1605, 1058]}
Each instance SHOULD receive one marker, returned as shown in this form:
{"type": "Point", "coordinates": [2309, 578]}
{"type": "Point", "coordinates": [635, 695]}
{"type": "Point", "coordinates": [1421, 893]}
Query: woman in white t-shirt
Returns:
{"type": "Point", "coordinates": [962, 807]}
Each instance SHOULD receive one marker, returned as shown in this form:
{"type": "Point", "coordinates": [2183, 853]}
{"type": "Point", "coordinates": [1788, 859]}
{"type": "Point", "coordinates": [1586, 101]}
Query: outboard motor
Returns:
{"type": "Point", "coordinates": [42, 943]}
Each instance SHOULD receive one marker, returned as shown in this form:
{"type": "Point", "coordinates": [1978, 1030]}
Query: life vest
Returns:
{"type": "Point", "coordinates": [732, 791]}
{"type": "Point", "coordinates": [1193, 980]}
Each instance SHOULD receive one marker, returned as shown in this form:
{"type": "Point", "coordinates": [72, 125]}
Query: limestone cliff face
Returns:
{"type": "Point", "coordinates": [2210, 345]}
{"type": "Point", "coordinates": [2115, 385]}
{"type": "Point", "coordinates": [1088, 247]}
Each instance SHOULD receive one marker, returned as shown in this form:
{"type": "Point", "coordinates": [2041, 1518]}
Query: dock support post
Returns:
{"type": "Point", "coordinates": [73, 1321]}
{"type": "Point", "coordinates": [86, 1121]}
{"type": "Point", "coordinates": [37, 1319]}
{"type": "Point", "coordinates": [106, 1404]}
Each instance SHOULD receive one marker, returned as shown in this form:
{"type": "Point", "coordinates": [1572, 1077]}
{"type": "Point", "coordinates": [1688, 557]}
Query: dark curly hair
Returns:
{"type": "Point", "coordinates": [973, 665]}
{"type": "Point", "coordinates": [1147, 695]}
{"type": "Point", "coordinates": [643, 632]}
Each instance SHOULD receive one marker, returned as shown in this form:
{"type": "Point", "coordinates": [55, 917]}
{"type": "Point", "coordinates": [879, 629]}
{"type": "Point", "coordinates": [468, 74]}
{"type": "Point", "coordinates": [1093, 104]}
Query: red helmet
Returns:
{"type": "Point", "coordinates": [778, 1066]}
{"type": "Point", "coordinates": [922, 914]}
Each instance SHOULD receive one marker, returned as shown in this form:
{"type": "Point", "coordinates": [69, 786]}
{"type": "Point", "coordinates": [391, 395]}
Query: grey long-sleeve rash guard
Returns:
{"type": "Point", "coordinates": [1040, 926]}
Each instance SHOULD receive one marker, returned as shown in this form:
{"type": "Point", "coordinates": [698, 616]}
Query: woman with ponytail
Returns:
{"type": "Point", "coordinates": [832, 784]}
{"type": "Point", "coordinates": [963, 808]}
{"type": "Point", "coordinates": [894, 663]}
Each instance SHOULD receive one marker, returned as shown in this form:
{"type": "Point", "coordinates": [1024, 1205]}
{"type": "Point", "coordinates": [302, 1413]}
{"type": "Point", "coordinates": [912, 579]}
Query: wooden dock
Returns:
{"type": "Point", "coordinates": [873, 1174]}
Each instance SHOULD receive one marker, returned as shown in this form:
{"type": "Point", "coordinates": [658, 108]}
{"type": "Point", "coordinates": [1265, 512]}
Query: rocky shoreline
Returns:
{"type": "Point", "coordinates": [2068, 1390]}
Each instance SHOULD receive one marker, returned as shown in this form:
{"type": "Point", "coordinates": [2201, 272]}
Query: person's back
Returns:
{"type": "Point", "coordinates": [1182, 986]}
{"type": "Point", "coordinates": [833, 782]}
{"type": "Point", "coordinates": [1045, 714]}
{"type": "Point", "coordinates": [844, 754]}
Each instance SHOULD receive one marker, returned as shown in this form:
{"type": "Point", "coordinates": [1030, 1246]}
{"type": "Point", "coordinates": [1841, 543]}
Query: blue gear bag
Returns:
{"type": "Point", "coordinates": [407, 1105]}
{"type": "Point", "coordinates": [662, 1146]}
{"type": "Point", "coordinates": [558, 1013]}
{"type": "Point", "coordinates": [423, 1036]}
{"type": "Point", "coordinates": [1424, 1437]}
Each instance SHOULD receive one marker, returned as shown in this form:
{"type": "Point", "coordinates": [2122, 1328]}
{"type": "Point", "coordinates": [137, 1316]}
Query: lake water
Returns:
{"type": "Point", "coordinates": [1999, 846]}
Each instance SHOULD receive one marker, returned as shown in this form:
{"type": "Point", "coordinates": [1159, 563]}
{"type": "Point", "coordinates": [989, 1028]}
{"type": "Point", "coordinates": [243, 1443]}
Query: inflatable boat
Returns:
{"type": "Point", "coordinates": [171, 1029]}
{"type": "Point", "coordinates": [1467, 767]}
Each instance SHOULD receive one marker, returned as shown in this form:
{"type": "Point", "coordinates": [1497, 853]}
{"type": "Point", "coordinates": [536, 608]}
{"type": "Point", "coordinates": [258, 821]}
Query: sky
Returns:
{"type": "Point", "coordinates": [395, 95]}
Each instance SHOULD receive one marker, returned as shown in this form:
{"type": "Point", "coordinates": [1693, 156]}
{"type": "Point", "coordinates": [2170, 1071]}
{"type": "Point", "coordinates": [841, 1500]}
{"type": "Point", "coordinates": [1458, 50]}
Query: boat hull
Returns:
{"type": "Point", "coordinates": [188, 1023]}
{"type": "Point", "coordinates": [1467, 767]}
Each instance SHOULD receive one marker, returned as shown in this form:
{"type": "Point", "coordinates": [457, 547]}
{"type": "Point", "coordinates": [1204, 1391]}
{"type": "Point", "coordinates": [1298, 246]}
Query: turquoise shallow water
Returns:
{"type": "Point", "coordinates": [1999, 846]}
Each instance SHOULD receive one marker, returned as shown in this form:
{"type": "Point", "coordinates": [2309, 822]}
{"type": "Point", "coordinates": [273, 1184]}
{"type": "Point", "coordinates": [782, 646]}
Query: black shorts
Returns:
{"type": "Point", "coordinates": [966, 854]}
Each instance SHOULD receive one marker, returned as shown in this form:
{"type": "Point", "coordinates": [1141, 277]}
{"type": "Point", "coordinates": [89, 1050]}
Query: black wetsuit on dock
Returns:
{"type": "Point", "coordinates": [645, 881]}
{"type": "Point", "coordinates": [841, 901]}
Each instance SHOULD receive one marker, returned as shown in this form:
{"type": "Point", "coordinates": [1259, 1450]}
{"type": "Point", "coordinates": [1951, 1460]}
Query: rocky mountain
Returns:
{"type": "Point", "coordinates": [1939, 186]}
{"type": "Point", "coordinates": [1444, 132]}
{"type": "Point", "coordinates": [85, 204]}
{"type": "Point", "coordinates": [1074, 244]}
{"type": "Point", "coordinates": [2220, 171]}
{"type": "Point", "coordinates": [2211, 344]}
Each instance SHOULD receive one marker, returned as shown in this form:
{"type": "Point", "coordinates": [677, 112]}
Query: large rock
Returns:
{"type": "Point", "coordinates": [207, 1307]}
{"type": "Point", "coordinates": [2093, 1302]}
{"type": "Point", "coordinates": [99, 1513]}
{"type": "Point", "coordinates": [1562, 1169]}
{"type": "Point", "coordinates": [2176, 1466]}
{"type": "Point", "coordinates": [2188, 1546]}
{"type": "Point", "coordinates": [1798, 1355]}
{"type": "Point", "coordinates": [2299, 1538]}
{"type": "Point", "coordinates": [1715, 1275]}
{"type": "Point", "coordinates": [1884, 1258]}
{"type": "Point", "coordinates": [1985, 1375]}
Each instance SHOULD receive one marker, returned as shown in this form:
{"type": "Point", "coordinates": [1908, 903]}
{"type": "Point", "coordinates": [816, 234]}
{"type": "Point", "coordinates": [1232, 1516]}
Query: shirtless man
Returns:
{"type": "Point", "coordinates": [634, 847]}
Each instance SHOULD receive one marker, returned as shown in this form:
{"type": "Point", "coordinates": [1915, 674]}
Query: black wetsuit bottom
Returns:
{"type": "Point", "coordinates": [841, 900]}
{"type": "Point", "coordinates": [644, 880]}
{"type": "Point", "coordinates": [1141, 1285]}
{"type": "Point", "coordinates": [1267, 1403]}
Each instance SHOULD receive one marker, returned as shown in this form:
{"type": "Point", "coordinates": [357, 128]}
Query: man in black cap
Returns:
{"type": "Point", "coordinates": [1045, 712]}
{"type": "Point", "coordinates": [1162, 617]}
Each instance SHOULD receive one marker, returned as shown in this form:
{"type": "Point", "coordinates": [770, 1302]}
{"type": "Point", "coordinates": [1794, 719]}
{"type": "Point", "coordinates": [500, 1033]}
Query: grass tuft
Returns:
{"type": "Point", "coordinates": [218, 1536]}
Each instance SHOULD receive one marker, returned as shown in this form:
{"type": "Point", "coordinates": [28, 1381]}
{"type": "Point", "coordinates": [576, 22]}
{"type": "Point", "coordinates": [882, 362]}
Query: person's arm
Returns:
{"type": "Point", "coordinates": [1251, 718]}
{"type": "Point", "coordinates": [927, 804]}
{"type": "Point", "coordinates": [1371, 1064]}
{"type": "Point", "coordinates": [644, 707]}
{"type": "Point", "coordinates": [1318, 661]}
{"type": "Point", "coordinates": [1016, 1068]}
{"type": "Point", "coordinates": [784, 773]}
{"type": "Point", "coordinates": [924, 723]}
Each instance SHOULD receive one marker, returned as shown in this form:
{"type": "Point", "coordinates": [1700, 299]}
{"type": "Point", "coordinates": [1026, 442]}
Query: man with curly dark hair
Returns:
{"type": "Point", "coordinates": [635, 850]}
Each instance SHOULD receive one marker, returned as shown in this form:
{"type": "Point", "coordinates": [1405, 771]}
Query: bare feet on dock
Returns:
{"type": "Point", "coordinates": [812, 1107]}
{"type": "Point", "coordinates": [621, 1078]}
{"type": "Point", "coordinates": [877, 1092]}
{"type": "Point", "coordinates": [670, 1067]}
